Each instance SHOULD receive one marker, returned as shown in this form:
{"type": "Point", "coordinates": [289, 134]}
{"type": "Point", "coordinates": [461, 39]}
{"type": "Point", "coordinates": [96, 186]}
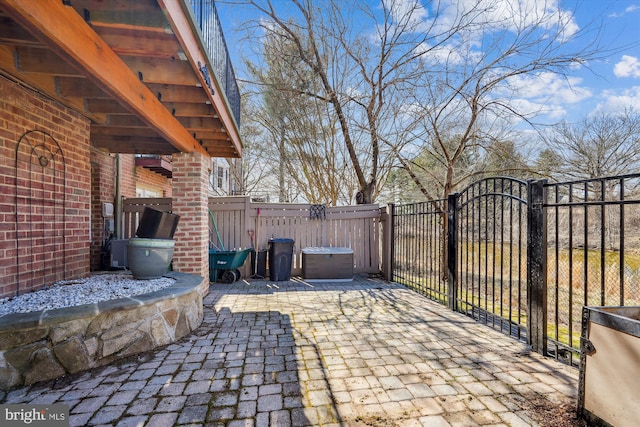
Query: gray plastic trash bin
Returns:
{"type": "Point", "coordinates": [280, 258]}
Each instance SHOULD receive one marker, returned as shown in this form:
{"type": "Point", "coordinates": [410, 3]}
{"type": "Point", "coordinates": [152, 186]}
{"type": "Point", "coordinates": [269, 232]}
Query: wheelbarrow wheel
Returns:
{"type": "Point", "coordinates": [229, 276]}
{"type": "Point", "coordinates": [238, 274]}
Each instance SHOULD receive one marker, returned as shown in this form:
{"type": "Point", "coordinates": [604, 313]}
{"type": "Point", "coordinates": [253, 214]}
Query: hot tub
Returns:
{"type": "Point", "coordinates": [327, 264]}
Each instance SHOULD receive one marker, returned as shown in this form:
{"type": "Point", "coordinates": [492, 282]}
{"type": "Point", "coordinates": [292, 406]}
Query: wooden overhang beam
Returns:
{"type": "Point", "coordinates": [182, 26]}
{"type": "Point", "coordinates": [62, 29]}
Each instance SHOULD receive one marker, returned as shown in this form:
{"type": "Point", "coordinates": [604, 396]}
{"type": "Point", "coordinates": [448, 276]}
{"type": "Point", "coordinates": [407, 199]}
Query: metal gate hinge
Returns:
{"type": "Point", "coordinates": [586, 347]}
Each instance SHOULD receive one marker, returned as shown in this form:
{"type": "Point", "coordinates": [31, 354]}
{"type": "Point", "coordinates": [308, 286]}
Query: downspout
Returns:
{"type": "Point", "coordinates": [118, 200]}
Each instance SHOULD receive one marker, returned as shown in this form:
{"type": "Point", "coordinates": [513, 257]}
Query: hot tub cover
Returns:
{"type": "Point", "coordinates": [328, 250]}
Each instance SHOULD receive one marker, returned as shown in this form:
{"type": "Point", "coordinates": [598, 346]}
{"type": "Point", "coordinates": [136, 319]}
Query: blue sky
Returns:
{"type": "Point", "coordinates": [609, 85]}
{"type": "Point", "coordinates": [616, 84]}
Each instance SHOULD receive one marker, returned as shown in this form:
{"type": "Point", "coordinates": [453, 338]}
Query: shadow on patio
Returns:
{"type": "Point", "coordinates": [366, 352]}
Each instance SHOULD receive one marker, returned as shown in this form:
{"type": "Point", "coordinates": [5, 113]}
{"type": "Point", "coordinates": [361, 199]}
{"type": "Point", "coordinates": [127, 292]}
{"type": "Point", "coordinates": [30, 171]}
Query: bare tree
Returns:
{"type": "Point", "coordinates": [361, 69]}
{"type": "Point", "coordinates": [604, 145]}
{"type": "Point", "coordinates": [302, 129]}
{"type": "Point", "coordinates": [471, 92]}
{"type": "Point", "coordinates": [446, 76]}
{"type": "Point", "coordinates": [600, 146]}
{"type": "Point", "coordinates": [254, 169]}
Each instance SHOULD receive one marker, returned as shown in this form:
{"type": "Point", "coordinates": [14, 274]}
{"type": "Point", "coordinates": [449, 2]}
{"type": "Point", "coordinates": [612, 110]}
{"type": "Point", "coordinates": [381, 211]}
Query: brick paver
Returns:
{"type": "Point", "coordinates": [366, 352]}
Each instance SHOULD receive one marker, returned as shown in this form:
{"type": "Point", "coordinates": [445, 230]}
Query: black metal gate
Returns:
{"type": "Point", "coordinates": [488, 240]}
{"type": "Point", "coordinates": [525, 257]}
{"type": "Point", "coordinates": [480, 252]}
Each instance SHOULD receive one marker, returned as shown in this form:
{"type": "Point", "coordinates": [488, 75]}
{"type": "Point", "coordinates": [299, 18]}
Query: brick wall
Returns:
{"type": "Point", "coordinates": [190, 201]}
{"type": "Point", "coordinates": [128, 176]}
{"type": "Point", "coordinates": [103, 174]}
{"type": "Point", "coordinates": [48, 239]}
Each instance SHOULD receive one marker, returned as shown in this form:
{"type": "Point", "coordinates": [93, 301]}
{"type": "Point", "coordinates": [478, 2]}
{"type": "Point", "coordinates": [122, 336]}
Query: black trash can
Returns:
{"type": "Point", "coordinates": [155, 224]}
{"type": "Point", "coordinates": [280, 257]}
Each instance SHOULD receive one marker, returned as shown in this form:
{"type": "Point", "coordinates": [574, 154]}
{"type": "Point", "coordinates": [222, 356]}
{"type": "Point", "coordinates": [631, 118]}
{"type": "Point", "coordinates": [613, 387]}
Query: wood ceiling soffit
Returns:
{"type": "Point", "coordinates": [168, 93]}
{"type": "Point", "coordinates": [224, 151]}
{"type": "Point", "coordinates": [126, 121]}
{"type": "Point", "coordinates": [105, 130]}
{"type": "Point", "coordinates": [162, 71]}
{"type": "Point", "coordinates": [149, 141]}
{"type": "Point", "coordinates": [67, 33]}
{"type": "Point", "coordinates": [43, 61]}
{"type": "Point", "coordinates": [78, 87]}
{"type": "Point", "coordinates": [142, 13]}
{"type": "Point", "coordinates": [200, 123]}
{"type": "Point", "coordinates": [186, 109]}
{"type": "Point", "coordinates": [215, 144]}
{"type": "Point", "coordinates": [137, 41]}
{"type": "Point", "coordinates": [135, 146]}
{"type": "Point", "coordinates": [12, 33]}
{"type": "Point", "coordinates": [106, 106]}
{"type": "Point", "coordinates": [182, 27]}
{"type": "Point", "coordinates": [210, 135]}
{"type": "Point", "coordinates": [230, 154]}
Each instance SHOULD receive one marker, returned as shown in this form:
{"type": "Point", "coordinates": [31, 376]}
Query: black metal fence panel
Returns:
{"type": "Point", "coordinates": [419, 260]}
{"type": "Point", "coordinates": [593, 253]}
{"type": "Point", "coordinates": [525, 257]}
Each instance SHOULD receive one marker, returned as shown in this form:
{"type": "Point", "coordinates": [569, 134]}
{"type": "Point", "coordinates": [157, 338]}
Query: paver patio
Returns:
{"type": "Point", "coordinates": [366, 352]}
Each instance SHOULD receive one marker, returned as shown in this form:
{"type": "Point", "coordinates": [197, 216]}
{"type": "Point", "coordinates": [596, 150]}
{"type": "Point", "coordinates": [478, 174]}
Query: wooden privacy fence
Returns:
{"type": "Point", "coordinates": [243, 224]}
{"type": "Point", "coordinates": [355, 227]}
{"type": "Point", "coordinates": [133, 208]}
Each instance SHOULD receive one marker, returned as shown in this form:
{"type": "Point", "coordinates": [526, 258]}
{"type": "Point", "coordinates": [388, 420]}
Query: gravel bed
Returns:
{"type": "Point", "coordinates": [69, 293]}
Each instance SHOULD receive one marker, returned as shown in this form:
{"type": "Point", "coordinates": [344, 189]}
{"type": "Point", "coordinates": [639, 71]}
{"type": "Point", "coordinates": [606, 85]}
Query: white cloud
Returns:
{"type": "Point", "coordinates": [549, 86]}
{"type": "Point", "coordinates": [449, 55]}
{"type": "Point", "coordinates": [411, 12]}
{"type": "Point", "coordinates": [628, 9]}
{"type": "Point", "coordinates": [511, 15]}
{"type": "Point", "coordinates": [618, 102]}
{"type": "Point", "coordinates": [530, 108]}
{"type": "Point", "coordinates": [629, 66]}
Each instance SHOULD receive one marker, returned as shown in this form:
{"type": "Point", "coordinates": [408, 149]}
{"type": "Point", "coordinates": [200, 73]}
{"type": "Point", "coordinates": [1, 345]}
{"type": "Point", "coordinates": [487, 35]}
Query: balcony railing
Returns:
{"type": "Point", "coordinates": [207, 19]}
{"type": "Point", "coordinates": [155, 163]}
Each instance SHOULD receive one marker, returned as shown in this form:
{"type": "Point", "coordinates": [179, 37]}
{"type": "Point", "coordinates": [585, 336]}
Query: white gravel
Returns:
{"type": "Point", "coordinates": [70, 293]}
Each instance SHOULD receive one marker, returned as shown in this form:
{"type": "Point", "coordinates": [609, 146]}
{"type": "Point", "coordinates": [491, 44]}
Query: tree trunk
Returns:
{"type": "Point", "coordinates": [282, 196]}
{"type": "Point", "coordinates": [365, 195]}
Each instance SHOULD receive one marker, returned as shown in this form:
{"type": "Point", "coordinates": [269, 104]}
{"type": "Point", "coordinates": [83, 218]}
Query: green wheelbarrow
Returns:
{"type": "Point", "coordinates": [224, 265]}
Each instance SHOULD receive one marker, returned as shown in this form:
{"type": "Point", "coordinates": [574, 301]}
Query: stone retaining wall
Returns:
{"type": "Point", "coordinates": [41, 346]}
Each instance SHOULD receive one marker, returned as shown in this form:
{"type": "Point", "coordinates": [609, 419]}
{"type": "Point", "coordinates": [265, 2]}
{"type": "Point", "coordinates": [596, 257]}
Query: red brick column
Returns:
{"type": "Point", "coordinates": [190, 201]}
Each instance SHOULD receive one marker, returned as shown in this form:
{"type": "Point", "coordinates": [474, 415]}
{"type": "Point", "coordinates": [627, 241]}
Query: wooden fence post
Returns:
{"type": "Point", "coordinates": [386, 220]}
{"type": "Point", "coordinates": [536, 266]}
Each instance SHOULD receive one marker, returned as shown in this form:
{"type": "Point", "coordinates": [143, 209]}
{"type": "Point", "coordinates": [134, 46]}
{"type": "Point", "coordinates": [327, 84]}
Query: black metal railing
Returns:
{"type": "Point", "coordinates": [593, 255]}
{"type": "Point", "coordinates": [418, 255]}
{"type": "Point", "coordinates": [525, 257]}
{"type": "Point", "coordinates": [207, 19]}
